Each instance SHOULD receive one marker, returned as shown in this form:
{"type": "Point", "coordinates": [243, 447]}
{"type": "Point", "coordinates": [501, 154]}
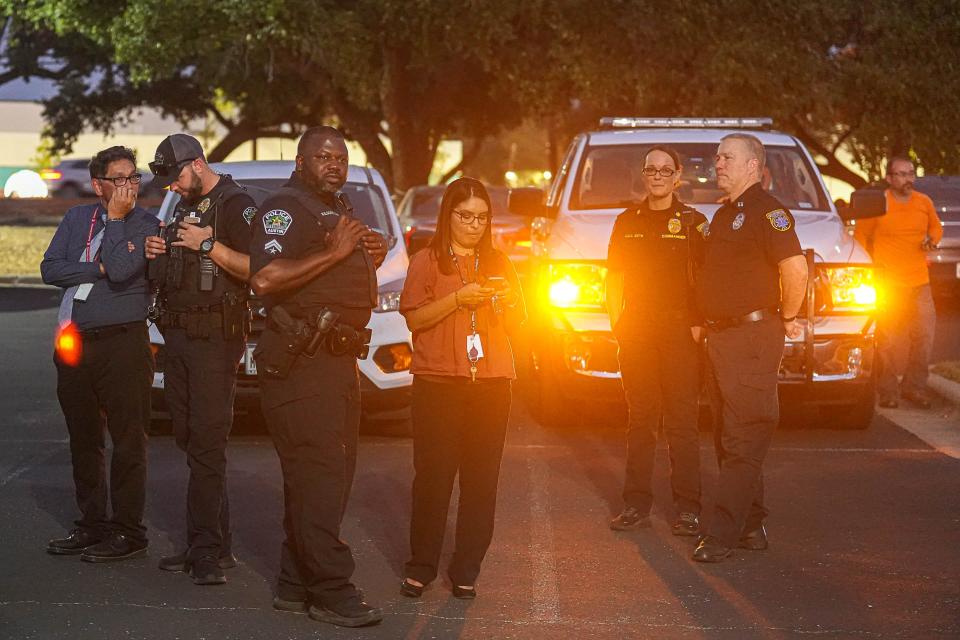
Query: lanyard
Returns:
{"type": "Point", "coordinates": [463, 281]}
{"type": "Point", "coordinates": [93, 223]}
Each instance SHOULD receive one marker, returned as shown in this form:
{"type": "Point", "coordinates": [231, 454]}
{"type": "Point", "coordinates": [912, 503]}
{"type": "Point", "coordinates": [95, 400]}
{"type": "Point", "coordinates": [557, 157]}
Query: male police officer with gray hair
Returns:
{"type": "Point", "coordinates": [201, 269]}
{"type": "Point", "coordinates": [315, 265]}
{"type": "Point", "coordinates": [750, 288]}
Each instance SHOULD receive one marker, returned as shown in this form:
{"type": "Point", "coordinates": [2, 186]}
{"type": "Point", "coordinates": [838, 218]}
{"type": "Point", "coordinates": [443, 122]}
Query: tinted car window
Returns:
{"type": "Point", "coordinates": [610, 177]}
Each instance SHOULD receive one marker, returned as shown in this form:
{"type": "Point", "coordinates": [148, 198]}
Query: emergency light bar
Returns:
{"type": "Point", "coordinates": [686, 123]}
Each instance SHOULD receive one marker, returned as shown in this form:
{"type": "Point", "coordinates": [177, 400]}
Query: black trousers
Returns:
{"type": "Point", "coordinates": [457, 427]}
{"type": "Point", "coordinates": [200, 381]}
{"type": "Point", "coordinates": [744, 362]}
{"type": "Point", "coordinates": [660, 369]}
{"type": "Point", "coordinates": [314, 420]}
{"type": "Point", "coordinates": [111, 384]}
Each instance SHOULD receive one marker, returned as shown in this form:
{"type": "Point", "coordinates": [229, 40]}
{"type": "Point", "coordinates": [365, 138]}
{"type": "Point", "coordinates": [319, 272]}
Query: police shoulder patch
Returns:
{"type": "Point", "coordinates": [277, 222]}
{"type": "Point", "coordinates": [780, 220]}
{"type": "Point", "coordinates": [249, 214]}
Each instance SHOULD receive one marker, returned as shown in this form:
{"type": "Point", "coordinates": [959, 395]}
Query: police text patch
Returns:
{"type": "Point", "coordinates": [249, 214]}
{"type": "Point", "coordinates": [779, 220]}
{"type": "Point", "coordinates": [276, 222]}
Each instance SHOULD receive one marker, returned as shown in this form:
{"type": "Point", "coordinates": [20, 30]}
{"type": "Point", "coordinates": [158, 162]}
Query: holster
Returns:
{"type": "Point", "coordinates": [236, 315]}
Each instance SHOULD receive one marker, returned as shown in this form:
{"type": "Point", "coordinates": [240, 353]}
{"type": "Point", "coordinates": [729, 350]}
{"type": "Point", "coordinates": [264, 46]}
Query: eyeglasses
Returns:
{"type": "Point", "coordinates": [468, 218]}
{"type": "Point", "coordinates": [666, 172]}
{"type": "Point", "coordinates": [119, 181]}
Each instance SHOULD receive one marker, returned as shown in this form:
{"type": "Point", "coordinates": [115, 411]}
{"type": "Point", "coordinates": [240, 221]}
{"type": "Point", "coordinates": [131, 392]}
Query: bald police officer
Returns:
{"type": "Point", "coordinates": [315, 266]}
{"type": "Point", "coordinates": [750, 290]}
{"type": "Point", "coordinates": [202, 312]}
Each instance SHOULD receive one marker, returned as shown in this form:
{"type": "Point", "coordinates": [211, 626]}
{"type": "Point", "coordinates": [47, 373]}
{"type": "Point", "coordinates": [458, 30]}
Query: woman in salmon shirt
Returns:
{"type": "Point", "coordinates": [461, 300]}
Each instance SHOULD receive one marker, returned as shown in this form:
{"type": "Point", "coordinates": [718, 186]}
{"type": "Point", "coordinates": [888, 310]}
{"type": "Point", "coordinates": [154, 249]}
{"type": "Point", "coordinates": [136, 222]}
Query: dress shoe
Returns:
{"type": "Point", "coordinates": [686, 524]}
{"type": "Point", "coordinates": [352, 612]}
{"type": "Point", "coordinates": [180, 562]}
{"type": "Point", "coordinates": [630, 518]}
{"type": "Point", "coordinates": [73, 544]}
{"type": "Point", "coordinates": [711, 549]}
{"type": "Point", "coordinates": [117, 547]}
{"type": "Point", "coordinates": [206, 571]}
{"type": "Point", "coordinates": [889, 403]}
{"type": "Point", "coordinates": [410, 590]}
{"type": "Point", "coordinates": [755, 540]}
{"type": "Point", "coordinates": [917, 398]}
{"type": "Point", "coordinates": [464, 593]}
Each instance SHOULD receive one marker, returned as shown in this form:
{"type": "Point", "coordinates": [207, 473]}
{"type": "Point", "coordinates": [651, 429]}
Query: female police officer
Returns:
{"type": "Point", "coordinates": [651, 258]}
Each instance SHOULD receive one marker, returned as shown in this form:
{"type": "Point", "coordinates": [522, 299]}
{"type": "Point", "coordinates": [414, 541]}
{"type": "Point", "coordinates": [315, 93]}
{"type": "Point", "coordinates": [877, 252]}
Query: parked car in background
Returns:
{"type": "Point", "coordinates": [385, 378]}
{"type": "Point", "coordinates": [70, 178]}
{"type": "Point", "coordinates": [573, 351]}
{"type": "Point", "coordinates": [418, 219]}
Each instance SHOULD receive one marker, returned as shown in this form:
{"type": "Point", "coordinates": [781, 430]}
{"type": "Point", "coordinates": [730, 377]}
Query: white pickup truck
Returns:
{"type": "Point", "coordinates": [573, 351]}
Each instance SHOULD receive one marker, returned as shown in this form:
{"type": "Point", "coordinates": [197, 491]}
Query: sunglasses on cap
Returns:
{"type": "Point", "coordinates": [166, 170]}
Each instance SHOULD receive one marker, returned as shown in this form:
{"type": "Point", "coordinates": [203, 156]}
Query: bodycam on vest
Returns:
{"type": "Point", "coordinates": [192, 292]}
{"type": "Point", "coordinates": [308, 319]}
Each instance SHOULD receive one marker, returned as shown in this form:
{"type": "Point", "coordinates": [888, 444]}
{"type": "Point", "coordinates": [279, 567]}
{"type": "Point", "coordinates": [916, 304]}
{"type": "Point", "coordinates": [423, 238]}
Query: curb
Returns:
{"type": "Point", "coordinates": [32, 282]}
{"type": "Point", "coordinates": [947, 389]}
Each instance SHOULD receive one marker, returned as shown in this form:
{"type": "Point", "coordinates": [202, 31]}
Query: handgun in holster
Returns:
{"type": "Point", "coordinates": [281, 343]}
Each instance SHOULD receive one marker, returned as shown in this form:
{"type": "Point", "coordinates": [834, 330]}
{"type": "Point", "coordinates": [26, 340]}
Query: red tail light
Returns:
{"type": "Point", "coordinates": [69, 345]}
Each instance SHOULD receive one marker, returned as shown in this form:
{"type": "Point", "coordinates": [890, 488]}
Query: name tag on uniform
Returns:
{"type": "Point", "coordinates": [474, 347]}
{"type": "Point", "coordinates": [83, 291]}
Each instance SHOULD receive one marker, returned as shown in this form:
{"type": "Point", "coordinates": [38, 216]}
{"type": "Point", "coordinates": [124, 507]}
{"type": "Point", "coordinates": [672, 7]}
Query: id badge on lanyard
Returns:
{"type": "Point", "coordinates": [474, 345]}
{"type": "Point", "coordinates": [83, 290]}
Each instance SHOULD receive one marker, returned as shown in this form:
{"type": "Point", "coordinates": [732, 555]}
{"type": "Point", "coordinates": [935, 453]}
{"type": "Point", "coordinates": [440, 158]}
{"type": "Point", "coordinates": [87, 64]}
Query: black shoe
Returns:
{"type": "Point", "coordinates": [74, 544]}
{"type": "Point", "coordinates": [206, 571]}
{"type": "Point", "coordinates": [352, 612]}
{"type": "Point", "coordinates": [919, 399]}
{"type": "Point", "coordinates": [630, 518]}
{"type": "Point", "coordinates": [410, 590]}
{"type": "Point", "coordinates": [180, 562]}
{"type": "Point", "coordinates": [116, 547]}
{"type": "Point", "coordinates": [290, 606]}
{"type": "Point", "coordinates": [711, 549]}
{"type": "Point", "coordinates": [464, 593]}
{"type": "Point", "coordinates": [686, 524]}
{"type": "Point", "coordinates": [889, 403]}
{"type": "Point", "coordinates": [755, 540]}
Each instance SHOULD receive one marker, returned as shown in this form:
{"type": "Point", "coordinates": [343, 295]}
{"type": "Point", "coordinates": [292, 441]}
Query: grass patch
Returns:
{"type": "Point", "coordinates": [21, 249]}
{"type": "Point", "coordinates": [949, 370]}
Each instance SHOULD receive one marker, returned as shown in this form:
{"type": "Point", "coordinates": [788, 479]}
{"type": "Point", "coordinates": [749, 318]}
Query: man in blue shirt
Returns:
{"type": "Point", "coordinates": [103, 359]}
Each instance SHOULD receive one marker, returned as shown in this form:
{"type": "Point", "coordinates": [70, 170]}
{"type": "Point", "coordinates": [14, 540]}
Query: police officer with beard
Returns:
{"type": "Point", "coordinates": [315, 266]}
{"type": "Point", "coordinates": [200, 268]}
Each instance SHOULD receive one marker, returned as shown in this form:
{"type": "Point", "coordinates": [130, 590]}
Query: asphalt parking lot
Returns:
{"type": "Point", "coordinates": [864, 529]}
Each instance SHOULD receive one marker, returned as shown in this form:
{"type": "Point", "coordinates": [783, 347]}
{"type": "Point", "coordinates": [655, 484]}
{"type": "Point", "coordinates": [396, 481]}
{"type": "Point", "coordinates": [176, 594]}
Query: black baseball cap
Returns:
{"type": "Point", "coordinates": [172, 155]}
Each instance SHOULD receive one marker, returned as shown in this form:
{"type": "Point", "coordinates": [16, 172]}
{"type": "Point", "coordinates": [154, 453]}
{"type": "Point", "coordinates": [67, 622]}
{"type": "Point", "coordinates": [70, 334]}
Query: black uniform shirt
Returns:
{"type": "Point", "coordinates": [286, 228]}
{"type": "Point", "coordinates": [745, 242]}
{"type": "Point", "coordinates": [657, 251]}
{"type": "Point", "coordinates": [233, 219]}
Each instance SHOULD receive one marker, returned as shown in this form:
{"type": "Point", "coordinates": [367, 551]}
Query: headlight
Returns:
{"type": "Point", "coordinates": [852, 288]}
{"type": "Point", "coordinates": [388, 297]}
{"type": "Point", "coordinates": [576, 285]}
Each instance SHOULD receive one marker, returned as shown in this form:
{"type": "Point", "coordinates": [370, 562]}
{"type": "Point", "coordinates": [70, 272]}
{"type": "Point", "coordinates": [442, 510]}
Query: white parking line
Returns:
{"type": "Point", "coordinates": [546, 595]}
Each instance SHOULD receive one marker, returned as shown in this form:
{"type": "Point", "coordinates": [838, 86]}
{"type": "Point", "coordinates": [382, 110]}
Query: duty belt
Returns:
{"type": "Point", "coordinates": [753, 316]}
{"type": "Point", "coordinates": [306, 335]}
{"type": "Point", "coordinates": [207, 316]}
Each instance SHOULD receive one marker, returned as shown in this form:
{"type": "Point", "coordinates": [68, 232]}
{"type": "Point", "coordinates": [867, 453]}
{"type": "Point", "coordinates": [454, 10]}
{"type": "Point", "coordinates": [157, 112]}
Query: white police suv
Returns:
{"type": "Point", "coordinates": [573, 352]}
{"type": "Point", "coordinates": [385, 378]}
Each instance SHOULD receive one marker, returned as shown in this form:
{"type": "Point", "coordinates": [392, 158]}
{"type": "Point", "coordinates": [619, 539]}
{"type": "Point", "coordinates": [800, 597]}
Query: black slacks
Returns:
{"type": "Point", "coordinates": [110, 384]}
{"type": "Point", "coordinates": [200, 381]}
{"type": "Point", "coordinates": [314, 420]}
{"type": "Point", "coordinates": [660, 370]}
{"type": "Point", "coordinates": [458, 427]}
{"type": "Point", "coordinates": [744, 363]}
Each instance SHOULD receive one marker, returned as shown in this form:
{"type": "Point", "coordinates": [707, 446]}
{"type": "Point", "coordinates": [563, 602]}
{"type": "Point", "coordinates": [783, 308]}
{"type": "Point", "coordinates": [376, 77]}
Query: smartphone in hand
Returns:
{"type": "Point", "coordinates": [497, 283]}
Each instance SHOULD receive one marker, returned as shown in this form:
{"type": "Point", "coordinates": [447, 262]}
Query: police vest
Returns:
{"type": "Point", "coordinates": [352, 282]}
{"type": "Point", "coordinates": [188, 294]}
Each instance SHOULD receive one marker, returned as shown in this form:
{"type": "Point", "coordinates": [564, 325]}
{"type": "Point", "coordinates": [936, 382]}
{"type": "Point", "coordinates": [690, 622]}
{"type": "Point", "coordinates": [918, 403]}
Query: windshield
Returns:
{"type": "Point", "coordinates": [610, 177]}
{"type": "Point", "coordinates": [368, 204]}
{"type": "Point", "coordinates": [426, 206]}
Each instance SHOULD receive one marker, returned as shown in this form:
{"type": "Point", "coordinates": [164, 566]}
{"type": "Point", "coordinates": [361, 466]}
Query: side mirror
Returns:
{"type": "Point", "coordinates": [865, 203]}
{"type": "Point", "coordinates": [527, 202]}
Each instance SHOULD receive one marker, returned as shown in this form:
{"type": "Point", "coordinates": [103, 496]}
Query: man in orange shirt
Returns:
{"type": "Point", "coordinates": [897, 242]}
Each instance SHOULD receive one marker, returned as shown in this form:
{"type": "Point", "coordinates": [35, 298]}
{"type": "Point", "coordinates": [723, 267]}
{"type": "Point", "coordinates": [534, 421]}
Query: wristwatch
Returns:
{"type": "Point", "coordinates": [206, 246]}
